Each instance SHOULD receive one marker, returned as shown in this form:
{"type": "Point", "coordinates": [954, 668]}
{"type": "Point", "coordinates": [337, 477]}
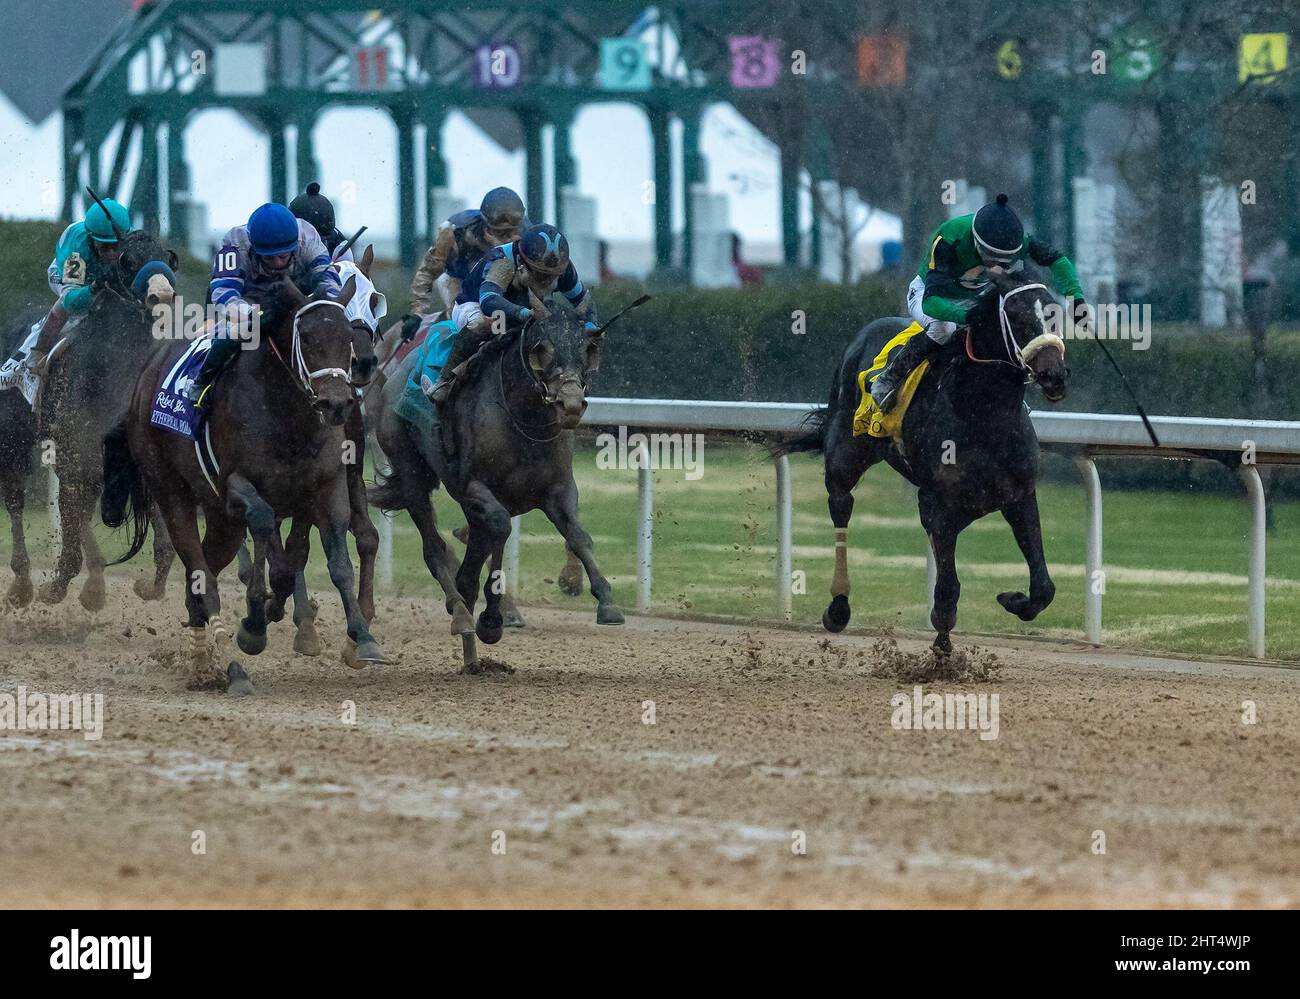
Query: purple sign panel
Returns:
{"type": "Point", "coordinates": [497, 65]}
{"type": "Point", "coordinates": [754, 61]}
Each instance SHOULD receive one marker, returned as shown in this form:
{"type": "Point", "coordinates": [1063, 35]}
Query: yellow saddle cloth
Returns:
{"type": "Point", "coordinates": [869, 419]}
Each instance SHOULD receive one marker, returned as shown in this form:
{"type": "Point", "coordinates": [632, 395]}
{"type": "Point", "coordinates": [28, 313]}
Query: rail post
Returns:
{"type": "Point", "coordinates": [784, 517]}
{"type": "Point", "coordinates": [1094, 576]}
{"type": "Point", "coordinates": [645, 526]}
{"type": "Point", "coordinates": [1258, 550]}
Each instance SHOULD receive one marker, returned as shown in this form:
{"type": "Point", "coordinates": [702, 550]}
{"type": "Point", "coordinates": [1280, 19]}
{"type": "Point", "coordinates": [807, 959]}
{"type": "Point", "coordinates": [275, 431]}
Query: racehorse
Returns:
{"type": "Point", "coordinates": [85, 396]}
{"type": "Point", "coordinates": [501, 448]}
{"type": "Point", "coordinates": [967, 442]}
{"type": "Point", "coordinates": [16, 443]}
{"type": "Point", "coordinates": [277, 431]}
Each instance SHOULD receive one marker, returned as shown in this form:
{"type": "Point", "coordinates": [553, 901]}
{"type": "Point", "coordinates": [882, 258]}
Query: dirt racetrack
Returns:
{"type": "Point", "coordinates": [759, 735]}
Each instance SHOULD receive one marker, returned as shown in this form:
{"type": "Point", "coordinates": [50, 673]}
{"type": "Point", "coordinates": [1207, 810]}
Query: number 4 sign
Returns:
{"type": "Point", "coordinates": [754, 61]}
{"type": "Point", "coordinates": [1262, 56]}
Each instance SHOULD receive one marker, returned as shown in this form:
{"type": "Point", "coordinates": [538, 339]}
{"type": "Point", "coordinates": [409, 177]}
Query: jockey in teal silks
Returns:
{"type": "Point", "coordinates": [946, 282]}
{"type": "Point", "coordinates": [272, 246]}
{"type": "Point", "coordinates": [86, 252]}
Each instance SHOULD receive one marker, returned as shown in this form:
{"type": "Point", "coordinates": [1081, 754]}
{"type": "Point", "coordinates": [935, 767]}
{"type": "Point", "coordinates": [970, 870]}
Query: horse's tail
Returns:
{"type": "Point", "coordinates": [387, 493]}
{"type": "Point", "coordinates": [812, 428]}
{"type": "Point", "coordinates": [124, 497]}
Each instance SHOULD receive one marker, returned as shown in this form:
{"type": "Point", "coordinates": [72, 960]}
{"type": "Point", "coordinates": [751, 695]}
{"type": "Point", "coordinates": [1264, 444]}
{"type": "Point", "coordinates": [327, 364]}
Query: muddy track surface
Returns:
{"type": "Point", "coordinates": [547, 786]}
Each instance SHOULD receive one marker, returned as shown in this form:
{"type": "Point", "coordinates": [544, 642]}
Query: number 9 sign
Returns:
{"type": "Point", "coordinates": [624, 64]}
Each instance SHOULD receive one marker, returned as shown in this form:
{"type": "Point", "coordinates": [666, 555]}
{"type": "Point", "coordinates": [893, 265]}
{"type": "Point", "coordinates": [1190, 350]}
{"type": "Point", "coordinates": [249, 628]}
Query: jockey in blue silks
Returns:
{"type": "Point", "coordinates": [500, 285]}
{"type": "Point", "coordinates": [273, 245]}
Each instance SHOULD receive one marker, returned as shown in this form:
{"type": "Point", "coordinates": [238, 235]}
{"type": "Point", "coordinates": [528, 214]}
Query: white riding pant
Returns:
{"type": "Point", "coordinates": [465, 314]}
{"type": "Point", "coordinates": [936, 329]}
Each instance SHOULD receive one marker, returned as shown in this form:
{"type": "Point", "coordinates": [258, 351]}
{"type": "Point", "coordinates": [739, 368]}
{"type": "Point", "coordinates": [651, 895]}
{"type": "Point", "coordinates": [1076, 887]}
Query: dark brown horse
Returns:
{"type": "Point", "coordinates": [503, 448]}
{"type": "Point", "coordinates": [277, 431]}
{"type": "Point", "coordinates": [967, 442]}
{"type": "Point", "coordinates": [86, 391]}
{"type": "Point", "coordinates": [17, 440]}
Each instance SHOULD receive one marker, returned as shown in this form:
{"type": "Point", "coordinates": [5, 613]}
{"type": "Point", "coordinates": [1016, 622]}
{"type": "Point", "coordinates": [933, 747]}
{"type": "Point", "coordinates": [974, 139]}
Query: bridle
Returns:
{"type": "Point", "coordinates": [303, 376]}
{"type": "Point", "coordinates": [1014, 351]}
{"type": "Point", "coordinates": [547, 396]}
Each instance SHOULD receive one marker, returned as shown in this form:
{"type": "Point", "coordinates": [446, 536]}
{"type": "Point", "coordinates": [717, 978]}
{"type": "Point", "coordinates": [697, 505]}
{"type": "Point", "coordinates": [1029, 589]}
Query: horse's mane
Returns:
{"type": "Point", "coordinates": [509, 340]}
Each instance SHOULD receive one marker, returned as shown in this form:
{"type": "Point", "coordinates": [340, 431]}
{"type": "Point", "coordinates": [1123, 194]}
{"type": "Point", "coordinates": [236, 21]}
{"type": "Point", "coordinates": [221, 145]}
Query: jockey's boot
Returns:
{"type": "Point", "coordinates": [466, 345]}
{"type": "Point", "coordinates": [51, 330]}
{"type": "Point", "coordinates": [221, 353]}
{"type": "Point", "coordinates": [902, 362]}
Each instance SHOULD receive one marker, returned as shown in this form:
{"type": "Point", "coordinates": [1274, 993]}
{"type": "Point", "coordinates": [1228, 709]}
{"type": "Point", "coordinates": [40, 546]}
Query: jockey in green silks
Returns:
{"type": "Point", "coordinates": [941, 294]}
{"type": "Point", "coordinates": [86, 252]}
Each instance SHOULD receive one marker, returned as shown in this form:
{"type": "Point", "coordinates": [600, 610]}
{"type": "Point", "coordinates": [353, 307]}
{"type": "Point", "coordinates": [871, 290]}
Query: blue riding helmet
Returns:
{"type": "Point", "coordinates": [273, 230]}
{"type": "Point", "coordinates": [544, 249]}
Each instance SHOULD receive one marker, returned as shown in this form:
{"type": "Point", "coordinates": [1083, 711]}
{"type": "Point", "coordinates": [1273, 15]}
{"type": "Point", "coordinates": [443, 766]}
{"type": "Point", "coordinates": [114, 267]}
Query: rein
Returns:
{"type": "Point", "coordinates": [1008, 339]}
{"type": "Point", "coordinates": [548, 397]}
{"type": "Point", "coordinates": [303, 376]}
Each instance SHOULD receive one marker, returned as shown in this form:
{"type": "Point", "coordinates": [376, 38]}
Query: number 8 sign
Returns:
{"type": "Point", "coordinates": [624, 64]}
{"type": "Point", "coordinates": [754, 62]}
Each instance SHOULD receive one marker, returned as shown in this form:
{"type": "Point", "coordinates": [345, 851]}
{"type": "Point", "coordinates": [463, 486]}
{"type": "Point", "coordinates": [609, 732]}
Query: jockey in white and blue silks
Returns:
{"type": "Point", "coordinates": [537, 263]}
{"type": "Point", "coordinates": [274, 244]}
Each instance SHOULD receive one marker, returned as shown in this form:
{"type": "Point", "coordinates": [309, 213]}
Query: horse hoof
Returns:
{"type": "Point", "coordinates": [608, 614]}
{"type": "Point", "coordinates": [511, 618]}
{"type": "Point", "coordinates": [488, 629]}
{"type": "Point", "coordinates": [570, 583]}
{"type": "Point", "coordinates": [305, 640]}
{"type": "Point", "coordinates": [52, 593]}
{"type": "Point", "coordinates": [836, 618]}
{"type": "Point", "coordinates": [274, 611]}
{"type": "Point", "coordinates": [369, 652]}
{"type": "Point", "coordinates": [147, 590]}
{"type": "Point", "coordinates": [92, 597]}
{"type": "Point", "coordinates": [1018, 604]}
{"type": "Point", "coordinates": [942, 644]}
{"type": "Point", "coordinates": [238, 683]}
{"type": "Point", "coordinates": [250, 643]}
{"type": "Point", "coordinates": [20, 592]}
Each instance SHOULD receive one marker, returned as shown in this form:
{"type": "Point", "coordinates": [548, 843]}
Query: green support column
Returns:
{"type": "Point", "coordinates": [1041, 181]}
{"type": "Point", "coordinates": [566, 168]}
{"type": "Point", "coordinates": [1074, 160]}
{"type": "Point", "coordinates": [790, 203]}
{"type": "Point", "coordinates": [178, 184]}
{"type": "Point", "coordinates": [819, 168]}
{"type": "Point", "coordinates": [663, 191]}
{"type": "Point", "coordinates": [144, 197]}
{"type": "Point", "coordinates": [534, 191]}
{"type": "Point", "coordinates": [435, 163]}
{"type": "Point", "coordinates": [407, 238]}
{"type": "Point", "coordinates": [1291, 183]}
{"type": "Point", "coordinates": [73, 132]}
{"type": "Point", "coordinates": [279, 157]}
{"type": "Point", "coordinates": [693, 173]}
{"type": "Point", "coordinates": [305, 152]}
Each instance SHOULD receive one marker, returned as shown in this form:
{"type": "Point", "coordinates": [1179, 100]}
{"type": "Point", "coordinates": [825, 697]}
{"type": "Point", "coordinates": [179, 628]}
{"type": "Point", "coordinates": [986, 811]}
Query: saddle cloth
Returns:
{"type": "Point", "coordinates": [868, 419]}
{"type": "Point", "coordinates": [17, 372]}
{"type": "Point", "coordinates": [413, 405]}
{"type": "Point", "coordinates": [172, 409]}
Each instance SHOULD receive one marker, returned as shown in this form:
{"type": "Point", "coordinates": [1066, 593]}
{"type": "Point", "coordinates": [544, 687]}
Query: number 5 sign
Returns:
{"type": "Point", "coordinates": [624, 64]}
{"type": "Point", "coordinates": [754, 61]}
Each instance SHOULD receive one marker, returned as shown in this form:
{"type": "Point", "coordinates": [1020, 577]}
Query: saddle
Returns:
{"type": "Point", "coordinates": [868, 420]}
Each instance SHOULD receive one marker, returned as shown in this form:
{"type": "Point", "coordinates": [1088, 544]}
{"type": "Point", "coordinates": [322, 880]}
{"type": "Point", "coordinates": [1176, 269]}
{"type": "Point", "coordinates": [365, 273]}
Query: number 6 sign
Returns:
{"type": "Point", "coordinates": [624, 64]}
{"type": "Point", "coordinates": [754, 62]}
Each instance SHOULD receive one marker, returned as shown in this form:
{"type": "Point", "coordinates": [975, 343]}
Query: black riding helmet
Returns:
{"type": "Point", "coordinates": [502, 211]}
{"type": "Point", "coordinates": [999, 233]}
{"type": "Point", "coordinates": [544, 249]}
{"type": "Point", "coordinates": [315, 209]}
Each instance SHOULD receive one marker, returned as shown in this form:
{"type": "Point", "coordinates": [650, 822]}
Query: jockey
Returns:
{"type": "Point", "coordinates": [317, 210]}
{"type": "Point", "coordinates": [460, 244]}
{"type": "Point", "coordinates": [86, 252]}
{"type": "Point", "coordinates": [537, 263]}
{"type": "Point", "coordinates": [939, 296]}
{"type": "Point", "coordinates": [270, 247]}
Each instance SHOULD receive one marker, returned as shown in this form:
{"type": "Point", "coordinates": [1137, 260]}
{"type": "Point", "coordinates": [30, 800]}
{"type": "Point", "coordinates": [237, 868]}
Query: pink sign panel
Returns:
{"type": "Point", "coordinates": [754, 62]}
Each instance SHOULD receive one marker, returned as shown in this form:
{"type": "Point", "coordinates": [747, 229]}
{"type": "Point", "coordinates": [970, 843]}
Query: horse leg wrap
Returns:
{"type": "Point", "coordinates": [840, 580]}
